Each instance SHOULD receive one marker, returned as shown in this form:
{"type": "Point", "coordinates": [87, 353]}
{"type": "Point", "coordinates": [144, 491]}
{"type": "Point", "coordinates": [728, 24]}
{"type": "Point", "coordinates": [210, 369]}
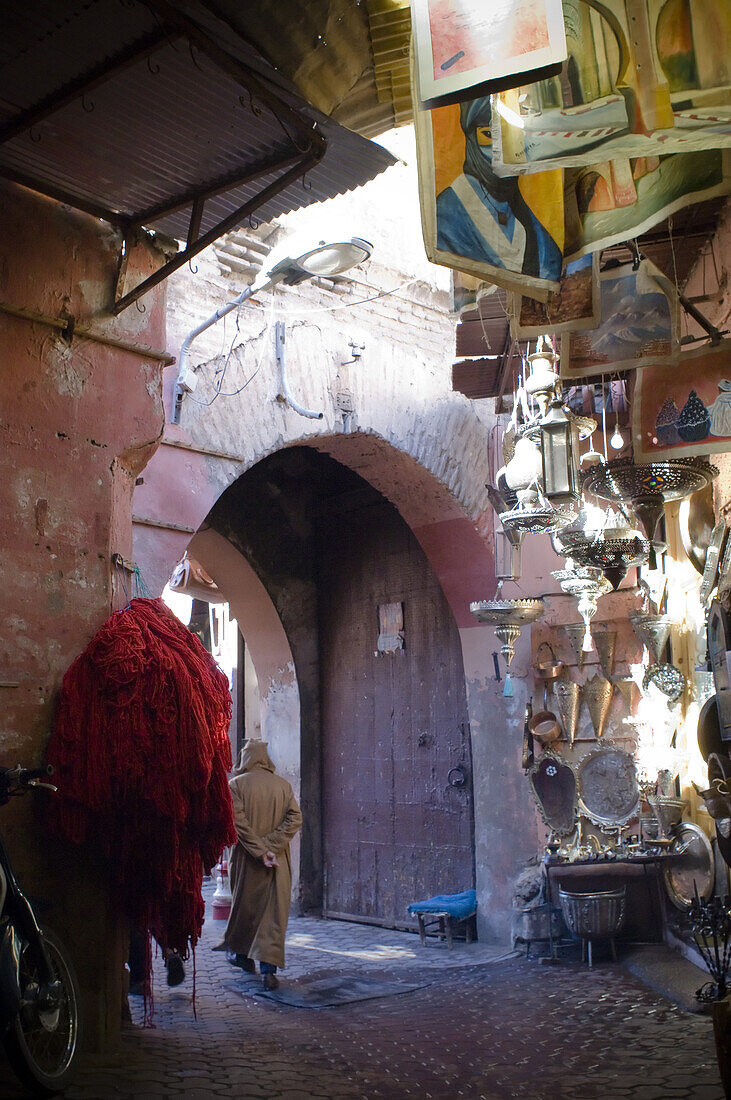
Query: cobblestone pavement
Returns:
{"type": "Point", "coordinates": [483, 1027]}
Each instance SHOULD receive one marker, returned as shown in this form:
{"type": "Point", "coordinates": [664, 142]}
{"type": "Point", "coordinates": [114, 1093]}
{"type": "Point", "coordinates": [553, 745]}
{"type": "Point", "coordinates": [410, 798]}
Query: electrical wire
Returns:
{"type": "Point", "coordinates": [344, 305]}
{"type": "Point", "coordinates": [221, 372]}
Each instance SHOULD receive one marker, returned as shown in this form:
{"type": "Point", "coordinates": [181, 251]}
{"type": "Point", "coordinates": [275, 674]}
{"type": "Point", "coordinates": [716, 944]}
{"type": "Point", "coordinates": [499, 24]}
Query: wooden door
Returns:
{"type": "Point", "coordinates": [397, 782]}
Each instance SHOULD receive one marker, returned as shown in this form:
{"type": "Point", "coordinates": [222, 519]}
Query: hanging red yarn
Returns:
{"type": "Point", "coordinates": [141, 751]}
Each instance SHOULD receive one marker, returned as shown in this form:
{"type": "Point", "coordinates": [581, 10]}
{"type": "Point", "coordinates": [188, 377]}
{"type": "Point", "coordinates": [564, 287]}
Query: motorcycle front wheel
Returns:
{"type": "Point", "coordinates": [42, 1043]}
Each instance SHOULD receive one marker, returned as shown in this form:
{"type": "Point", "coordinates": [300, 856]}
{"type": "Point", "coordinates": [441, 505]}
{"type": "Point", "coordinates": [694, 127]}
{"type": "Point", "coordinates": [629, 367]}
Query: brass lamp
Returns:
{"type": "Point", "coordinates": [560, 455]}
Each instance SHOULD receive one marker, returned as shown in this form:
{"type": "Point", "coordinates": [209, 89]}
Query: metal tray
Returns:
{"type": "Point", "coordinates": [607, 785]}
{"type": "Point", "coordinates": [691, 868]}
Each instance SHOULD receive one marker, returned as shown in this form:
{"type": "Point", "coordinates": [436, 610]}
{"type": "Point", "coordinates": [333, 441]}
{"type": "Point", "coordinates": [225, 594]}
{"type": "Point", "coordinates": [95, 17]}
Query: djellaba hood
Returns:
{"type": "Point", "coordinates": [254, 754]}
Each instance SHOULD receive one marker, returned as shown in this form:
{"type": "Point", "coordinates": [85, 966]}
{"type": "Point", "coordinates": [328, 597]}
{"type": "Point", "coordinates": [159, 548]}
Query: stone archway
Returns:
{"type": "Point", "coordinates": [275, 543]}
{"type": "Point", "coordinates": [434, 477]}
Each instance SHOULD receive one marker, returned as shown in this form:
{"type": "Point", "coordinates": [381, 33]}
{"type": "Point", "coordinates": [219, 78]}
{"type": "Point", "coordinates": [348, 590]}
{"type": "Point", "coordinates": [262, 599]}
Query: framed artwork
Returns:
{"type": "Point", "coordinates": [684, 408]}
{"type": "Point", "coordinates": [574, 306]}
{"type": "Point", "coordinates": [639, 325]}
{"type": "Point", "coordinates": [506, 232]}
{"type": "Point", "coordinates": [644, 78]}
{"type": "Point", "coordinates": [462, 43]}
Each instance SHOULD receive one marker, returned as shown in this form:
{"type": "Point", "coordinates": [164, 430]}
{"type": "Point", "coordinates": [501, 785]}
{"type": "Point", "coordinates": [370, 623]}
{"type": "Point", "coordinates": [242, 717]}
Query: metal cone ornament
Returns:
{"type": "Point", "coordinates": [568, 701]}
{"type": "Point", "coordinates": [597, 694]}
{"type": "Point", "coordinates": [627, 687]}
{"type": "Point", "coordinates": [653, 631]}
{"type": "Point", "coordinates": [575, 634]}
{"type": "Point", "coordinates": [605, 642]}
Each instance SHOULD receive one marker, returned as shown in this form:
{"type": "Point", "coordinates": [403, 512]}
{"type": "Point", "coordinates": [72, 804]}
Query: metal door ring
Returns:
{"type": "Point", "coordinates": [457, 777]}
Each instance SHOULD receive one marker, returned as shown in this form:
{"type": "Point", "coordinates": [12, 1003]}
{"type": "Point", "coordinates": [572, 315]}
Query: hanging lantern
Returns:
{"type": "Point", "coordinates": [560, 456]}
{"type": "Point", "coordinates": [542, 380]}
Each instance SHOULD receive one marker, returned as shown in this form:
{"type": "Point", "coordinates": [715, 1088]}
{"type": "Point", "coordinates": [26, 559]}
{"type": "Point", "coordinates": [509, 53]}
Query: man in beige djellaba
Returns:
{"type": "Point", "coordinates": [267, 817]}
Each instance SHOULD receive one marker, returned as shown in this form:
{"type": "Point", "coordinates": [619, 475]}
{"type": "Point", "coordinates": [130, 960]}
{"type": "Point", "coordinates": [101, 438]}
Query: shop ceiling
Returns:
{"type": "Point", "coordinates": [164, 116]}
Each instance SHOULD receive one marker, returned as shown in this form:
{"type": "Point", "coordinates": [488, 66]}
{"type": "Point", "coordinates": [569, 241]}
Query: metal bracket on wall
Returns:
{"type": "Point", "coordinates": [123, 563]}
{"type": "Point", "coordinates": [284, 396]}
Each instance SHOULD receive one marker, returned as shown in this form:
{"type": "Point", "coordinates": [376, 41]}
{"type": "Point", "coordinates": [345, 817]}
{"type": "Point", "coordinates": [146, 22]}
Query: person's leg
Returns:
{"type": "Point", "coordinates": [175, 968]}
{"type": "Point", "coordinates": [268, 974]}
{"type": "Point", "coordinates": [242, 961]}
{"type": "Point", "coordinates": [136, 962]}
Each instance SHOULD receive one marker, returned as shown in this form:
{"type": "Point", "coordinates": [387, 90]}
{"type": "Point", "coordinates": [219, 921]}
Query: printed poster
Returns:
{"type": "Point", "coordinates": [462, 43]}
{"type": "Point", "coordinates": [643, 78]}
{"type": "Point", "coordinates": [639, 325]}
{"type": "Point", "coordinates": [684, 408]}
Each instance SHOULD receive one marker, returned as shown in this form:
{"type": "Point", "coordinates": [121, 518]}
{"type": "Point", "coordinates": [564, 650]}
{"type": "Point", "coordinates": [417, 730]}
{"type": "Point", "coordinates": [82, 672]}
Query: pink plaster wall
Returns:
{"type": "Point", "coordinates": [78, 421]}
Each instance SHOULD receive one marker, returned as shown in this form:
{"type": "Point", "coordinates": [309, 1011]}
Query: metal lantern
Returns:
{"type": "Point", "coordinates": [560, 456]}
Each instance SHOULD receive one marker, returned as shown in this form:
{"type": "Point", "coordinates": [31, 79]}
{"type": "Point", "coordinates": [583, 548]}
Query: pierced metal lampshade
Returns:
{"type": "Point", "coordinates": [588, 584]}
{"type": "Point", "coordinates": [606, 642]}
{"type": "Point", "coordinates": [653, 631]}
{"type": "Point", "coordinates": [648, 487]}
{"type": "Point", "coordinates": [508, 617]}
{"type": "Point", "coordinates": [574, 542]}
{"type": "Point", "coordinates": [615, 555]}
{"type": "Point", "coordinates": [575, 633]}
{"type": "Point", "coordinates": [568, 701]}
{"type": "Point", "coordinates": [597, 694]}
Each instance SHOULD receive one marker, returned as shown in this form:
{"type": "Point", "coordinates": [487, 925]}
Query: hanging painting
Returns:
{"type": "Point", "coordinates": [643, 78]}
{"type": "Point", "coordinates": [639, 325]}
{"type": "Point", "coordinates": [684, 408]}
{"type": "Point", "coordinates": [610, 202]}
{"type": "Point", "coordinates": [459, 44]}
{"type": "Point", "coordinates": [467, 291]}
{"type": "Point", "coordinates": [505, 231]}
{"type": "Point", "coordinates": [574, 306]}
{"type": "Point", "coordinates": [520, 233]}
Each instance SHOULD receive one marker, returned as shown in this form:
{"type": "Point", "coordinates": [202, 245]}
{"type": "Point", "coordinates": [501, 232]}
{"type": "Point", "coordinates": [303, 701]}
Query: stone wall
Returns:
{"type": "Point", "coordinates": [78, 421]}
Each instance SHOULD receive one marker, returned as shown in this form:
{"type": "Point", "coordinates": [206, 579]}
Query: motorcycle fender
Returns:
{"type": "Point", "coordinates": [10, 947]}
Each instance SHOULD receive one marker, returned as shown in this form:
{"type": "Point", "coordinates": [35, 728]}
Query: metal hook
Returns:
{"type": "Point", "coordinates": [193, 270]}
{"type": "Point", "coordinates": [141, 307]}
{"type": "Point", "coordinates": [254, 223]}
{"type": "Point", "coordinates": [307, 186]}
{"type": "Point", "coordinates": [34, 138]}
{"type": "Point", "coordinates": [153, 66]}
{"type": "Point", "coordinates": [251, 105]}
{"type": "Point", "coordinates": [88, 108]}
{"type": "Point", "coordinates": [192, 56]}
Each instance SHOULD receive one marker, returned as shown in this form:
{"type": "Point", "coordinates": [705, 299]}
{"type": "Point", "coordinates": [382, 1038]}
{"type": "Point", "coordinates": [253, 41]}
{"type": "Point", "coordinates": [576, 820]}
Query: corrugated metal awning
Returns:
{"type": "Point", "coordinates": [160, 115]}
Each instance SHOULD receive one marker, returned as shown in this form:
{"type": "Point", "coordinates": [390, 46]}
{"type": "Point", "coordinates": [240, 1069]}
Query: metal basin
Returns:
{"type": "Point", "coordinates": [594, 916]}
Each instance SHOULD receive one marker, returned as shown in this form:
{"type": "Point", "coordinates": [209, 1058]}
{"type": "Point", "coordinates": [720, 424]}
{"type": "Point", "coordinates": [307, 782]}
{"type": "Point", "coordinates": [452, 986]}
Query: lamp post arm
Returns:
{"type": "Point", "coordinates": [181, 382]}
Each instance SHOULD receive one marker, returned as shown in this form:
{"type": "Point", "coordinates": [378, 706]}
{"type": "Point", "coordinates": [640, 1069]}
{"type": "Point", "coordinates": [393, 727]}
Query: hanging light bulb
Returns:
{"type": "Point", "coordinates": [617, 440]}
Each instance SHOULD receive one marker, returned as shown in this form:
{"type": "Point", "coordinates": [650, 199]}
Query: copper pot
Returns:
{"type": "Point", "coordinates": [547, 669]}
{"type": "Point", "coordinates": [544, 727]}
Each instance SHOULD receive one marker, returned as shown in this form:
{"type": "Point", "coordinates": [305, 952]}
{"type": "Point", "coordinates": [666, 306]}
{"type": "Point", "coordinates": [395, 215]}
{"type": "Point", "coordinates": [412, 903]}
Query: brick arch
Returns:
{"type": "Point", "coordinates": [439, 494]}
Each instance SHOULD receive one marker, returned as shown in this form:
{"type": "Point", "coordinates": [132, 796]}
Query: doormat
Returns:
{"type": "Point", "coordinates": [326, 992]}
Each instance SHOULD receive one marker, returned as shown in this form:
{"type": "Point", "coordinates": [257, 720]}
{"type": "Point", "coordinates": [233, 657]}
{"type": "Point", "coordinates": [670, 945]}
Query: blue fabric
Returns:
{"type": "Point", "coordinates": [457, 905]}
{"type": "Point", "coordinates": [457, 233]}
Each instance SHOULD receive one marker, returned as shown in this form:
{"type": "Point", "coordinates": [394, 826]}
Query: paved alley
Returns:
{"type": "Point", "coordinates": [478, 1025]}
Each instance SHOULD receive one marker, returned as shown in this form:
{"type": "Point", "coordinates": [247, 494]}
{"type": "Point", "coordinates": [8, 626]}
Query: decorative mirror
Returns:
{"type": "Point", "coordinates": [553, 784]}
{"type": "Point", "coordinates": [607, 786]}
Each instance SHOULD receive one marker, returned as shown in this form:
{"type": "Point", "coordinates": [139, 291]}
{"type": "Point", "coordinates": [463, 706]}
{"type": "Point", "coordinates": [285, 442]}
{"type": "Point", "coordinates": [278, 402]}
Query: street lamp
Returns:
{"type": "Point", "coordinates": [291, 262]}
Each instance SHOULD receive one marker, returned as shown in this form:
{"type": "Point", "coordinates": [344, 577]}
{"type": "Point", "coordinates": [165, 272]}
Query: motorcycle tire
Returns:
{"type": "Point", "coordinates": [42, 1045]}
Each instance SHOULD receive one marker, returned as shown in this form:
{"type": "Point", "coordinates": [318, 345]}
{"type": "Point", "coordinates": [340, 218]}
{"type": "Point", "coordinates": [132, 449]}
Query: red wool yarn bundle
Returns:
{"type": "Point", "coordinates": [141, 755]}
